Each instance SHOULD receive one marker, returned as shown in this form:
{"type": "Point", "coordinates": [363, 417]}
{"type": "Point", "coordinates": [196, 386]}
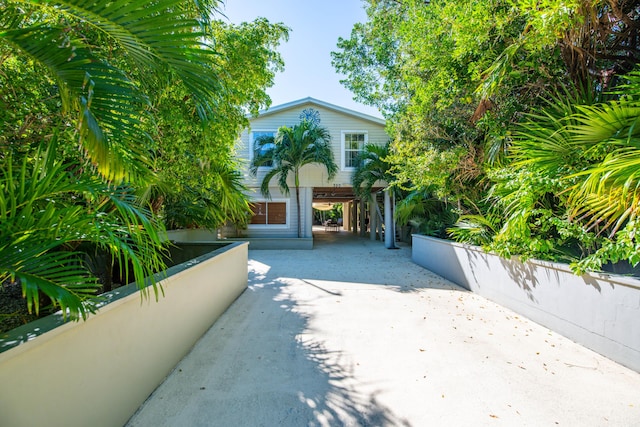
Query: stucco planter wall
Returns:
{"type": "Point", "coordinates": [599, 311]}
{"type": "Point", "coordinates": [97, 373]}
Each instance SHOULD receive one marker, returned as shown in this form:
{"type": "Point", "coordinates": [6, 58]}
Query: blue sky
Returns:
{"type": "Point", "coordinates": [315, 27]}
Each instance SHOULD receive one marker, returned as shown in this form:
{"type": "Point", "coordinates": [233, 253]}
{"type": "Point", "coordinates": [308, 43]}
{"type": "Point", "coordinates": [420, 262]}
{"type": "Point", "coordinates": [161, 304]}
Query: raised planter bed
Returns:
{"type": "Point", "coordinates": [199, 235]}
{"type": "Point", "coordinates": [599, 311]}
{"type": "Point", "coordinates": [98, 372]}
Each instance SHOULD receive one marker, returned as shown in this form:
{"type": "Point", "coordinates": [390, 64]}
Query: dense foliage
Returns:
{"type": "Point", "coordinates": [117, 118]}
{"type": "Point", "coordinates": [513, 119]}
{"type": "Point", "coordinates": [199, 183]}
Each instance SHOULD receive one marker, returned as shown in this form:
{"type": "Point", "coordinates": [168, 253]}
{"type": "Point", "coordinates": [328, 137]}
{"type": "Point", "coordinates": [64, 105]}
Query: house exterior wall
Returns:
{"type": "Point", "coordinates": [337, 121]}
{"type": "Point", "coordinates": [290, 229]}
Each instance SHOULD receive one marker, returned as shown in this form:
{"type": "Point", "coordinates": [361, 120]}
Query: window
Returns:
{"type": "Point", "coordinates": [269, 213]}
{"type": "Point", "coordinates": [255, 137]}
{"type": "Point", "coordinates": [353, 145]}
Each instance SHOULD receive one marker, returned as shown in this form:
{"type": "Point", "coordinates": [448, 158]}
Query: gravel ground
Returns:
{"type": "Point", "coordinates": [13, 308]}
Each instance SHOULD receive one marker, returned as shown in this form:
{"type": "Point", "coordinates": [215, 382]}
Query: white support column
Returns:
{"type": "Point", "coordinates": [373, 217]}
{"type": "Point", "coordinates": [354, 217]}
{"type": "Point", "coordinates": [379, 221]}
{"type": "Point", "coordinates": [389, 223]}
{"type": "Point", "coordinates": [346, 216]}
{"type": "Point", "coordinates": [363, 217]}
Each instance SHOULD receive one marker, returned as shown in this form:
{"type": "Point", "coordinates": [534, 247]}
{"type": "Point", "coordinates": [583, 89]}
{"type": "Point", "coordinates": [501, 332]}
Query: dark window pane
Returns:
{"type": "Point", "coordinates": [354, 146]}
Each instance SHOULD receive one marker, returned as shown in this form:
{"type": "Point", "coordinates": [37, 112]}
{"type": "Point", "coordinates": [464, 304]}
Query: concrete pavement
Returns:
{"type": "Point", "coordinates": [353, 334]}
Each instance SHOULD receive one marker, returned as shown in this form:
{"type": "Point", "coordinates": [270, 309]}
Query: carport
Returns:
{"type": "Point", "coordinates": [356, 210]}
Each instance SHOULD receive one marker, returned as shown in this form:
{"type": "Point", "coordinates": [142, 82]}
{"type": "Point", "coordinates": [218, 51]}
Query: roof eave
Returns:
{"type": "Point", "coordinates": [310, 100]}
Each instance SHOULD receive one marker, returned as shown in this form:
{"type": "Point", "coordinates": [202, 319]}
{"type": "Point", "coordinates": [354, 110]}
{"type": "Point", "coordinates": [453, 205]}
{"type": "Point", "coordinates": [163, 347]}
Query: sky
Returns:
{"type": "Point", "coordinates": [315, 26]}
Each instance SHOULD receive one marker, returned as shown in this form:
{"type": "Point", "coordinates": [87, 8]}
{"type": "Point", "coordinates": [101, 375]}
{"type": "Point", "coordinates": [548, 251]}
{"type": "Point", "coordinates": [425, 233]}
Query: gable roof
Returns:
{"type": "Point", "coordinates": [313, 101]}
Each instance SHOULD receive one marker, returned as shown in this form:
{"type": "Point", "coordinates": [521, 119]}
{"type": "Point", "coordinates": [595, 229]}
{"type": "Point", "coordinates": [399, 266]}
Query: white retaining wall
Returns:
{"type": "Point", "coordinates": [599, 311]}
{"type": "Point", "coordinates": [98, 372]}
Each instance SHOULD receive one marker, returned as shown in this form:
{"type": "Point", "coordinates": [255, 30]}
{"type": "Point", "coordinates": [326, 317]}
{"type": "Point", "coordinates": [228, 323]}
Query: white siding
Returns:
{"type": "Point", "coordinates": [336, 122]}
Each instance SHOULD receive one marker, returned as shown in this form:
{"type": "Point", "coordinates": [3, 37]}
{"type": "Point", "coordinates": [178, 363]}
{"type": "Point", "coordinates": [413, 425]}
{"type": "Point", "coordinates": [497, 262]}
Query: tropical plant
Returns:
{"type": "Point", "coordinates": [70, 38]}
{"type": "Point", "coordinates": [421, 62]}
{"type": "Point", "coordinates": [103, 64]}
{"type": "Point", "coordinates": [426, 213]}
{"type": "Point", "coordinates": [208, 206]}
{"type": "Point", "coordinates": [374, 167]}
{"type": "Point", "coordinates": [582, 160]}
{"type": "Point", "coordinates": [48, 209]}
{"type": "Point", "coordinates": [475, 229]}
{"type": "Point", "coordinates": [292, 148]}
{"type": "Point", "coordinates": [198, 180]}
{"type": "Point", "coordinates": [515, 94]}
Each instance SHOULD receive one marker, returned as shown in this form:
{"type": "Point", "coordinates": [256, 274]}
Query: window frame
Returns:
{"type": "Point", "coordinates": [273, 226]}
{"type": "Point", "coordinates": [343, 148]}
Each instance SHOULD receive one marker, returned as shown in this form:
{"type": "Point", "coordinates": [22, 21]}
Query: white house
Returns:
{"type": "Point", "coordinates": [350, 131]}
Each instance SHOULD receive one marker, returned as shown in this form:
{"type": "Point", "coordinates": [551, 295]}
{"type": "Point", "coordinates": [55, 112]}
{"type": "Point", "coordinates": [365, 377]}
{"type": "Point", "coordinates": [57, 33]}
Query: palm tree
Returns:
{"type": "Point", "coordinates": [373, 167]}
{"type": "Point", "coordinates": [206, 204]}
{"type": "Point", "coordinates": [580, 160]}
{"type": "Point", "coordinates": [48, 209]}
{"type": "Point", "coordinates": [93, 48]}
{"type": "Point", "coordinates": [593, 149]}
{"type": "Point", "coordinates": [292, 148]}
{"type": "Point", "coordinates": [107, 58]}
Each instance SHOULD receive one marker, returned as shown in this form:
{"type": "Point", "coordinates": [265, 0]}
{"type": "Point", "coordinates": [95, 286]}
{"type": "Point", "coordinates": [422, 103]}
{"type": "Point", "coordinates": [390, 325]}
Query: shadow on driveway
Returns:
{"type": "Point", "coordinates": [353, 334]}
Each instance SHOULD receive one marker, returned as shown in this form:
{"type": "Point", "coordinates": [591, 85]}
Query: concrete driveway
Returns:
{"type": "Point", "coordinates": [353, 334]}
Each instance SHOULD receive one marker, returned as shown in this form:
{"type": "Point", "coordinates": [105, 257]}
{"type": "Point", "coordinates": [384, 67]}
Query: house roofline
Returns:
{"type": "Point", "coordinates": [296, 103]}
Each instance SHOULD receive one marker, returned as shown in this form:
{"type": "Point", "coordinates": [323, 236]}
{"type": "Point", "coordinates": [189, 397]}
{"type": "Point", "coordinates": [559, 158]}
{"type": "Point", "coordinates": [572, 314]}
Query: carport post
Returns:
{"type": "Point", "coordinates": [389, 223]}
{"type": "Point", "coordinates": [373, 217]}
{"type": "Point", "coordinates": [363, 216]}
{"type": "Point", "coordinates": [354, 217]}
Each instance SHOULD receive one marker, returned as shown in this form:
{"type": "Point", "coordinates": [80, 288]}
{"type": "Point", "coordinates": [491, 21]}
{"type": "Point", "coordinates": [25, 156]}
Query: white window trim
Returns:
{"type": "Point", "coordinates": [343, 156]}
{"type": "Point", "coordinates": [273, 226]}
{"type": "Point", "coordinates": [252, 147]}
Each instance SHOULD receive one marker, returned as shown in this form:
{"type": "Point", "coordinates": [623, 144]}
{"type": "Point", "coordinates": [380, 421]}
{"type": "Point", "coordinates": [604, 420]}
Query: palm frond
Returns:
{"type": "Point", "coordinates": [544, 140]}
{"type": "Point", "coordinates": [419, 203]}
{"type": "Point", "coordinates": [593, 149]}
{"type": "Point", "coordinates": [616, 120]}
{"type": "Point", "coordinates": [610, 192]}
{"type": "Point", "coordinates": [163, 36]}
{"type": "Point", "coordinates": [499, 70]}
{"type": "Point", "coordinates": [107, 103]}
{"type": "Point", "coordinates": [61, 276]}
{"type": "Point", "coordinates": [162, 39]}
{"type": "Point", "coordinates": [230, 191]}
{"type": "Point", "coordinates": [475, 229]}
{"type": "Point", "coordinates": [263, 153]}
{"type": "Point", "coordinates": [293, 148]}
{"type": "Point", "coordinates": [46, 209]}
{"type": "Point", "coordinates": [373, 167]}
{"type": "Point", "coordinates": [264, 185]}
